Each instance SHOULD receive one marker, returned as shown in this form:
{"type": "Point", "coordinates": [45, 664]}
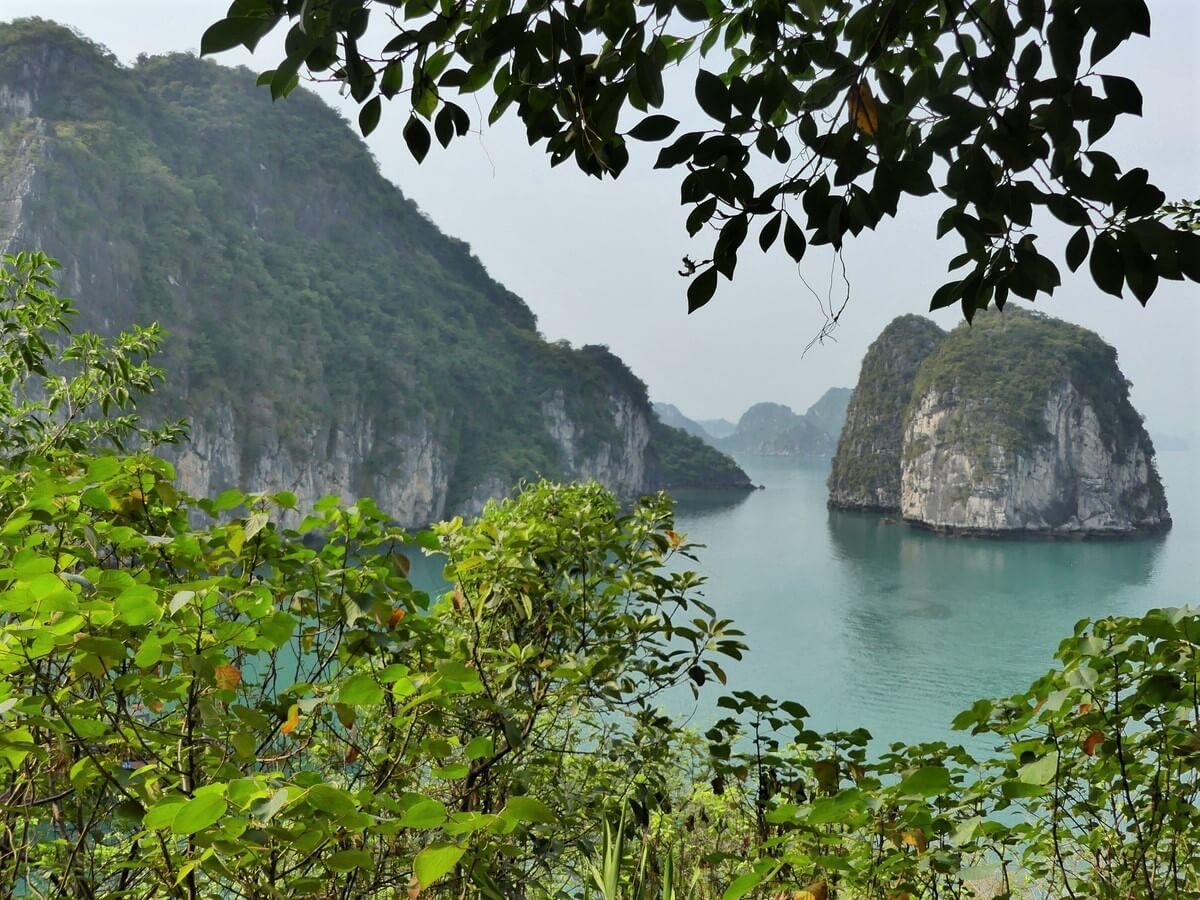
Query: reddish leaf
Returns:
{"type": "Point", "coordinates": [227, 677]}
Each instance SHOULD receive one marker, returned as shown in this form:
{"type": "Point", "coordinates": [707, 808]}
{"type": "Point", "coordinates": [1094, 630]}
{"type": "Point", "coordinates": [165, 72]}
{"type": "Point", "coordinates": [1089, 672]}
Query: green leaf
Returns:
{"type": "Point", "coordinates": [770, 232]}
{"type": "Point", "coordinates": [15, 745]}
{"type": "Point", "coordinates": [416, 135]}
{"type": "Point", "coordinates": [927, 781]}
{"type": "Point", "coordinates": [345, 860]}
{"type": "Point", "coordinates": [198, 813]}
{"type": "Point", "coordinates": [236, 30]}
{"type": "Point", "coordinates": [332, 800]}
{"type": "Point", "coordinates": [654, 128]}
{"type": "Point", "coordinates": [479, 747]}
{"type": "Point", "coordinates": [138, 605]}
{"type": "Point", "coordinates": [528, 809]}
{"type": "Point", "coordinates": [702, 288]}
{"type": "Point", "coordinates": [162, 814]}
{"type": "Point", "coordinates": [180, 600]}
{"type": "Point", "coordinates": [1077, 249]}
{"type": "Point", "coordinates": [1123, 94]}
{"type": "Point", "coordinates": [1040, 771]}
{"type": "Point", "coordinates": [1105, 264]}
{"type": "Point", "coordinates": [793, 240]}
{"type": "Point", "coordinates": [360, 690]}
{"type": "Point", "coordinates": [435, 861]}
{"type": "Point", "coordinates": [713, 95]}
{"type": "Point", "coordinates": [1067, 209]}
{"type": "Point", "coordinates": [742, 885]}
{"type": "Point", "coordinates": [424, 814]}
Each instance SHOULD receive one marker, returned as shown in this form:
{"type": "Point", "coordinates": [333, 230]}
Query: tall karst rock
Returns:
{"type": "Point", "coordinates": [1023, 423]}
{"type": "Point", "coordinates": [326, 337]}
{"type": "Point", "coordinates": [1015, 424]}
{"type": "Point", "coordinates": [866, 466]}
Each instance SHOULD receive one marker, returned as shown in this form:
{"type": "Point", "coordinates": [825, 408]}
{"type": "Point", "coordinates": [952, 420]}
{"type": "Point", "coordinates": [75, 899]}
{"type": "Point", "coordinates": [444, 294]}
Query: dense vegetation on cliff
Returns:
{"type": "Point", "coordinates": [300, 288]}
{"type": "Point", "coordinates": [1002, 366]}
{"type": "Point", "coordinates": [198, 702]}
{"type": "Point", "coordinates": [866, 467]}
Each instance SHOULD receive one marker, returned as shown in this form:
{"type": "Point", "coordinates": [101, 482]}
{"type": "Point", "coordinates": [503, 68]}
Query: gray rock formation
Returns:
{"type": "Point", "coordinates": [1017, 425]}
{"type": "Point", "coordinates": [772, 429]}
{"type": "Point", "coordinates": [866, 466]}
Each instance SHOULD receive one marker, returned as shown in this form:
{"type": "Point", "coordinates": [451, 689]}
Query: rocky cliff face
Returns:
{"type": "Point", "coordinates": [866, 466]}
{"type": "Point", "coordinates": [1070, 484]}
{"type": "Point", "coordinates": [325, 336]}
{"type": "Point", "coordinates": [1022, 424]}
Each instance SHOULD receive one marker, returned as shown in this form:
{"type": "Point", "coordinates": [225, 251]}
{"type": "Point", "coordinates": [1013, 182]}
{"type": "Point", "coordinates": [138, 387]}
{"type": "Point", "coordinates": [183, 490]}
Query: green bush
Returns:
{"type": "Point", "coordinates": [197, 702]}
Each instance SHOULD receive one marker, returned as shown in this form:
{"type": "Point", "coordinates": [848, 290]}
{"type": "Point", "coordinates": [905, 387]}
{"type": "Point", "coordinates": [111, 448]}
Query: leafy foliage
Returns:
{"type": "Point", "coordinates": [682, 459]}
{"type": "Point", "coordinates": [197, 702]}
{"type": "Point", "coordinates": [849, 105]}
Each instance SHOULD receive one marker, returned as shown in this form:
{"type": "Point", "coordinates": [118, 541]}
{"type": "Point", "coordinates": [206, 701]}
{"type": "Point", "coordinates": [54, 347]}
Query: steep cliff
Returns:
{"type": "Point", "coordinates": [866, 466]}
{"type": "Point", "coordinates": [326, 336]}
{"type": "Point", "coordinates": [669, 414]}
{"type": "Point", "coordinates": [829, 413]}
{"type": "Point", "coordinates": [1023, 423]}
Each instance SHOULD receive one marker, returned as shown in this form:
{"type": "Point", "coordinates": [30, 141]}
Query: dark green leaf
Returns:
{"type": "Point", "coordinates": [1077, 249]}
{"type": "Point", "coordinates": [702, 288]}
{"type": "Point", "coordinates": [793, 239]}
{"type": "Point", "coordinates": [232, 32]}
{"type": "Point", "coordinates": [416, 135]}
{"type": "Point", "coordinates": [1105, 264]}
{"type": "Point", "coordinates": [368, 116]}
{"type": "Point", "coordinates": [770, 232]}
{"type": "Point", "coordinates": [654, 128]}
{"type": "Point", "coordinates": [713, 95]}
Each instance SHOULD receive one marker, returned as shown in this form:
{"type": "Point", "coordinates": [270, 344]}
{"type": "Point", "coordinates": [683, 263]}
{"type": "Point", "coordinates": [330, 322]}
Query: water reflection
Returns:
{"type": "Point", "coordinates": [700, 504]}
{"type": "Point", "coordinates": [931, 620]}
{"type": "Point", "coordinates": [896, 629]}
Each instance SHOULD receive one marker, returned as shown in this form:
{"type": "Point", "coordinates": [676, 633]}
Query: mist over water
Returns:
{"type": "Point", "coordinates": [897, 630]}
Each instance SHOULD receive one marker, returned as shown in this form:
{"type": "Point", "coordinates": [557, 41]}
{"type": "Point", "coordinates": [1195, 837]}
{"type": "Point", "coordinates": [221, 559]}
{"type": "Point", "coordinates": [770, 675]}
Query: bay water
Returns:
{"type": "Point", "coordinates": [873, 623]}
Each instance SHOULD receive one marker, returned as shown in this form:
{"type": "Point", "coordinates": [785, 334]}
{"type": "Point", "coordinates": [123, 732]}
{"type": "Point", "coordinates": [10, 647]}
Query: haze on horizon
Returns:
{"type": "Point", "coordinates": [597, 261]}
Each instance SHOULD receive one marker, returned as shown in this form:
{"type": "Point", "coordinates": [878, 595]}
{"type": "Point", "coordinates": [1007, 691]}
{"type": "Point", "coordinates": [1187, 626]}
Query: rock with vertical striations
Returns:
{"type": "Point", "coordinates": [866, 467]}
{"type": "Point", "coordinates": [1022, 424]}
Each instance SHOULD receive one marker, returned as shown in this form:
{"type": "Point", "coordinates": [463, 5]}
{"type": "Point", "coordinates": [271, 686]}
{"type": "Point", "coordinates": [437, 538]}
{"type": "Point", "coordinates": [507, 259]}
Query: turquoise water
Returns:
{"type": "Point", "coordinates": [896, 630]}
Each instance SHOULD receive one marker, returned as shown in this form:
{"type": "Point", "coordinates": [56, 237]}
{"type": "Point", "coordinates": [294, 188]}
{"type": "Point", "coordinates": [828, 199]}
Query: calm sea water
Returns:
{"type": "Point", "coordinates": [896, 630]}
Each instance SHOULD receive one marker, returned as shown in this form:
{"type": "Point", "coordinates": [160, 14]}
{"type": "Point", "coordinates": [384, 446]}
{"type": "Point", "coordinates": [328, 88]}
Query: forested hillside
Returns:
{"type": "Point", "coordinates": [326, 337]}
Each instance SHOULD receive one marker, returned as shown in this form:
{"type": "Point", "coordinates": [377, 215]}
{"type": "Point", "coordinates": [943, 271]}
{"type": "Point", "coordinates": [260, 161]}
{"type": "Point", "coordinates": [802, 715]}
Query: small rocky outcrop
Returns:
{"type": "Point", "coordinates": [1019, 424]}
{"type": "Point", "coordinates": [866, 467]}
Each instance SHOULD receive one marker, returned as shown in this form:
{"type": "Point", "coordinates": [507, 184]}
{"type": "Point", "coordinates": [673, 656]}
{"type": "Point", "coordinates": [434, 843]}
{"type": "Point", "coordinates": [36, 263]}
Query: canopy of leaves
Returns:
{"type": "Point", "coordinates": [823, 115]}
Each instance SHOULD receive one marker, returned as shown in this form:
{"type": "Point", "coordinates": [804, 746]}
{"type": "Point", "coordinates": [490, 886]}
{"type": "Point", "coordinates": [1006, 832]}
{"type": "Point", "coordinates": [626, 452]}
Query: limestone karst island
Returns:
{"type": "Point", "coordinates": [1016, 424]}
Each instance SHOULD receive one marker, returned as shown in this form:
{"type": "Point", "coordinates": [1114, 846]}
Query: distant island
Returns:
{"type": "Point", "coordinates": [771, 429]}
{"type": "Point", "coordinates": [1018, 424]}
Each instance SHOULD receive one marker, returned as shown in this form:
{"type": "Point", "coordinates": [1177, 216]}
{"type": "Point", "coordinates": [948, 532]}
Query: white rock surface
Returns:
{"type": "Point", "coordinates": [956, 479]}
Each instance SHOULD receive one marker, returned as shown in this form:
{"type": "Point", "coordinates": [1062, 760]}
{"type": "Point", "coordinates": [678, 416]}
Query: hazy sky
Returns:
{"type": "Point", "coordinates": [597, 260]}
